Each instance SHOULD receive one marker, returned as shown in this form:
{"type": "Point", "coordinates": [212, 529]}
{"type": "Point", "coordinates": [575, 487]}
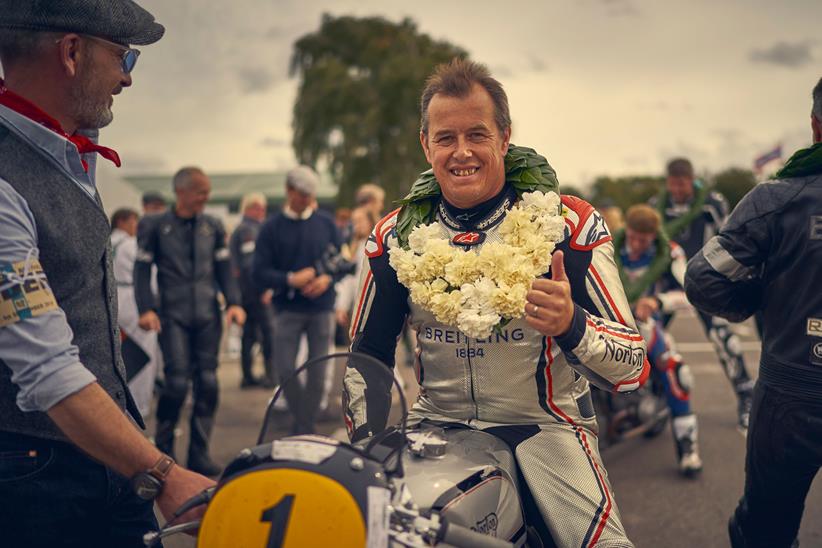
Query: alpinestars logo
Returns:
{"type": "Point", "coordinates": [488, 525]}
{"type": "Point", "coordinates": [468, 239]}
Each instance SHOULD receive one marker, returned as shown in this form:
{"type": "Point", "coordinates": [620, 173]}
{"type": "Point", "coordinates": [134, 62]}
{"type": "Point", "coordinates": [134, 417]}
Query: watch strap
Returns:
{"type": "Point", "coordinates": [162, 468]}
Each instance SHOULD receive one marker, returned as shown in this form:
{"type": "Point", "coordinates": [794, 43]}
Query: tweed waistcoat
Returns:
{"type": "Point", "coordinates": [75, 253]}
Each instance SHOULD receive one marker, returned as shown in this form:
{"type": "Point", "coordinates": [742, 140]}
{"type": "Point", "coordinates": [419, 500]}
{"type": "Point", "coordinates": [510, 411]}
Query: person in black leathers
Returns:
{"type": "Point", "coordinates": [189, 249]}
{"type": "Point", "coordinates": [259, 323]}
{"type": "Point", "coordinates": [692, 215]}
{"type": "Point", "coordinates": [768, 259]}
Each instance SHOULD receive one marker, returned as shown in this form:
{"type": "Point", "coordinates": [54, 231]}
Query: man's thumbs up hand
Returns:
{"type": "Point", "coordinates": [549, 308]}
{"type": "Point", "coordinates": [558, 267]}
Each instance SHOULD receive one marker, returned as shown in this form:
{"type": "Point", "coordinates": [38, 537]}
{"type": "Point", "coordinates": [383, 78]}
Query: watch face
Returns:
{"type": "Point", "coordinates": [146, 486]}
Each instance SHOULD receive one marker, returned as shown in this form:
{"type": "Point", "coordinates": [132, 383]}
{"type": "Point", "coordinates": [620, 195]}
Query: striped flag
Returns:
{"type": "Point", "coordinates": [764, 159]}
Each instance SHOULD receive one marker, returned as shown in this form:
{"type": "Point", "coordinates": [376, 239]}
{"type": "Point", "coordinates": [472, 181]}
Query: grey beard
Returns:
{"type": "Point", "coordinates": [88, 113]}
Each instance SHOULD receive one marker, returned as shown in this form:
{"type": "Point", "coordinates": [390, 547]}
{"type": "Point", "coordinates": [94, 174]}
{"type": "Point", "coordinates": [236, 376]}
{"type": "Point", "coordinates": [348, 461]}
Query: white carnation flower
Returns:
{"type": "Point", "coordinates": [509, 300]}
{"type": "Point", "coordinates": [463, 268]}
{"type": "Point", "coordinates": [477, 325]}
{"type": "Point", "coordinates": [437, 254]}
{"type": "Point", "coordinates": [422, 234]}
{"type": "Point", "coordinates": [447, 306]}
{"type": "Point", "coordinates": [404, 262]}
{"type": "Point", "coordinates": [545, 201]}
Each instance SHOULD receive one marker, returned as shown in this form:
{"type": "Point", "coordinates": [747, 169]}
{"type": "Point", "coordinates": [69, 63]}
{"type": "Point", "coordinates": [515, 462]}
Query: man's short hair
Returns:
{"type": "Point", "coordinates": [680, 167]}
{"type": "Point", "coordinates": [21, 44]}
{"type": "Point", "coordinates": [817, 101]}
{"type": "Point", "coordinates": [368, 193]}
{"type": "Point", "coordinates": [183, 177]}
{"type": "Point", "coordinates": [455, 79]}
{"type": "Point", "coordinates": [643, 218]}
{"type": "Point", "coordinates": [151, 197]}
{"type": "Point", "coordinates": [121, 216]}
{"type": "Point", "coordinates": [252, 198]}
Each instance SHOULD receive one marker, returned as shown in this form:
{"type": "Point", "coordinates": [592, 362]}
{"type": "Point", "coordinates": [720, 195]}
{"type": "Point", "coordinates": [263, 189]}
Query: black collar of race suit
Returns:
{"type": "Point", "coordinates": [480, 217]}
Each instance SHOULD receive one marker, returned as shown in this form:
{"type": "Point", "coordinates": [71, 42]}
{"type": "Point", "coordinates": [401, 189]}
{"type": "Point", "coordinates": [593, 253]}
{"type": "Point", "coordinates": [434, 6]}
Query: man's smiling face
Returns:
{"type": "Point", "coordinates": [465, 147]}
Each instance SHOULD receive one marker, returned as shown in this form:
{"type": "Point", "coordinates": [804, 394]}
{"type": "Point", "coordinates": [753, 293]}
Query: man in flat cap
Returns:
{"type": "Point", "coordinates": [74, 471]}
{"type": "Point", "coordinates": [296, 256]}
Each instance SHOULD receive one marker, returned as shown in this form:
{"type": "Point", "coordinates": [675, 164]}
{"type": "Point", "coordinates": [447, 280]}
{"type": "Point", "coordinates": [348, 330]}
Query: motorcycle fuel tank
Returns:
{"type": "Point", "coordinates": [473, 484]}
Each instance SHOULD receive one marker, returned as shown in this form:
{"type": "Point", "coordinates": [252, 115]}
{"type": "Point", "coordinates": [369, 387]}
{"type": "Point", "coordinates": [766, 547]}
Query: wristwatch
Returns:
{"type": "Point", "coordinates": [148, 485]}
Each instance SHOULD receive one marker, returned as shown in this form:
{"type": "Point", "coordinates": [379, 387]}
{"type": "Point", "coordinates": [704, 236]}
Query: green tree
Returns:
{"type": "Point", "coordinates": [624, 192]}
{"type": "Point", "coordinates": [357, 108]}
{"type": "Point", "coordinates": [571, 190]}
{"type": "Point", "coordinates": [734, 183]}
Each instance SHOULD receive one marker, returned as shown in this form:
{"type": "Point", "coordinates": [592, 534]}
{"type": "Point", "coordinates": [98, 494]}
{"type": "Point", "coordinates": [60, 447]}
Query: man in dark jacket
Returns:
{"type": "Point", "coordinates": [68, 445]}
{"type": "Point", "coordinates": [259, 323]}
{"type": "Point", "coordinates": [692, 215]}
{"type": "Point", "coordinates": [768, 259]}
{"type": "Point", "coordinates": [297, 255]}
{"type": "Point", "coordinates": [189, 249]}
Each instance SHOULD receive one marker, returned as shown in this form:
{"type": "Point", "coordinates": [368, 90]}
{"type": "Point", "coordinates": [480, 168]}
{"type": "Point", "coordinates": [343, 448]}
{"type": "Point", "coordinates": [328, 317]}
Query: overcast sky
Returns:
{"type": "Point", "coordinates": [597, 86]}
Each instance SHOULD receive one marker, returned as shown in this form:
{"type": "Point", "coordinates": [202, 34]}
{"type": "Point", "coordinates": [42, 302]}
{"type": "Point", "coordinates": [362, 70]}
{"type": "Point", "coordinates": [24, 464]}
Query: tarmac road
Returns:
{"type": "Point", "coordinates": [659, 508]}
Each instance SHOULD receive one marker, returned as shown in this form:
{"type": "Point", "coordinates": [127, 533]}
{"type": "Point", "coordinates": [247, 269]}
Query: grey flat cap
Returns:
{"type": "Point", "coordinates": [303, 179]}
{"type": "Point", "coordinates": [120, 21]}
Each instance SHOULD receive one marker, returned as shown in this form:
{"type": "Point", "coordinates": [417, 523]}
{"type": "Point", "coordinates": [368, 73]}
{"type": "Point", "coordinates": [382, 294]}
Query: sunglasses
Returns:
{"type": "Point", "coordinates": [128, 57]}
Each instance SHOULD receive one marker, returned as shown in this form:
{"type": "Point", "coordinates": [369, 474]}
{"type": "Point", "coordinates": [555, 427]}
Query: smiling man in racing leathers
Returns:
{"type": "Point", "coordinates": [528, 382]}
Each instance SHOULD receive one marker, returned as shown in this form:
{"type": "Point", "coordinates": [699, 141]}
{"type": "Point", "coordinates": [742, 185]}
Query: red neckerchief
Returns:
{"type": "Point", "coordinates": [28, 109]}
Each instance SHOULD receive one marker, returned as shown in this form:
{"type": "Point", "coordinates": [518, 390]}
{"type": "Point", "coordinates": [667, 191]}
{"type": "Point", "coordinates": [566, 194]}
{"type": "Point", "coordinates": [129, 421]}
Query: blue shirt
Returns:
{"type": "Point", "coordinates": [44, 363]}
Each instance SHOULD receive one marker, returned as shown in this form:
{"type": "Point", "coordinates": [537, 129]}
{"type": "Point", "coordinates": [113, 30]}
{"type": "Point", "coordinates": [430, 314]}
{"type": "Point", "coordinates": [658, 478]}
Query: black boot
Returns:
{"type": "Point", "coordinates": [198, 458]}
{"type": "Point", "coordinates": [164, 437]}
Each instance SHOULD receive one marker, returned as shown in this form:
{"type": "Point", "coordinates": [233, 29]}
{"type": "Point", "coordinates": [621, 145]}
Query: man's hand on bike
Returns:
{"type": "Point", "coordinates": [149, 321]}
{"type": "Point", "coordinates": [181, 485]}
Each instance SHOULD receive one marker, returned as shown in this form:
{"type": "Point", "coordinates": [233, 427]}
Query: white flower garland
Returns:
{"type": "Point", "coordinates": [477, 290]}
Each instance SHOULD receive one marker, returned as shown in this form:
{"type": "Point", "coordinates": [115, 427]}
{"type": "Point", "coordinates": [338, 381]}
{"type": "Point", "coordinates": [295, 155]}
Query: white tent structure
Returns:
{"type": "Point", "coordinates": [114, 190]}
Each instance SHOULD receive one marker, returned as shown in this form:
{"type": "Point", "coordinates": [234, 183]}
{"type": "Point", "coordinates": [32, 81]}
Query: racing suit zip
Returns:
{"type": "Point", "coordinates": [471, 376]}
{"type": "Point", "coordinates": [470, 365]}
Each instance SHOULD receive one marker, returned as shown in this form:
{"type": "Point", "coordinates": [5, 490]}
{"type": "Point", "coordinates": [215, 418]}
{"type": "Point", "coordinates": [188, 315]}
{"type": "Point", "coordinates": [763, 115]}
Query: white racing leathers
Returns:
{"type": "Point", "coordinates": [531, 390]}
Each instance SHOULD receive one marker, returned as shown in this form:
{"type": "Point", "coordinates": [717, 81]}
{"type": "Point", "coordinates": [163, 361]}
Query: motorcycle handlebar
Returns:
{"type": "Point", "coordinates": [463, 537]}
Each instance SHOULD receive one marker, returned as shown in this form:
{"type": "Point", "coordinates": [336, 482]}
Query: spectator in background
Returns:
{"type": "Point", "coordinates": [372, 197]}
{"type": "Point", "coordinates": [259, 322]}
{"type": "Point", "coordinates": [652, 270]}
{"type": "Point", "coordinates": [297, 254]}
{"type": "Point", "coordinates": [613, 218]}
{"type": "Point", "coordinates": [189, 249]}
{"type": "Point", "coordinates": [342, 218]}
{"type": "Point", "coordinates": [138, 345]}
{"type": "Point", "coordinates": [153, 202]}
{"type": "Point", "coordinates": [363, 220]}
{"type": "Point", "coordinates": [691, 216]}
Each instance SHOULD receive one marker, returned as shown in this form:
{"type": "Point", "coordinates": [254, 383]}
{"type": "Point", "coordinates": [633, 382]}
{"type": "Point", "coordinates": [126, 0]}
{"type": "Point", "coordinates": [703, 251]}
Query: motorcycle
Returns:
{"type": "Point", "coordinates": [622, 416]}
{"type": "Point", "coordinates": [431, 485]}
